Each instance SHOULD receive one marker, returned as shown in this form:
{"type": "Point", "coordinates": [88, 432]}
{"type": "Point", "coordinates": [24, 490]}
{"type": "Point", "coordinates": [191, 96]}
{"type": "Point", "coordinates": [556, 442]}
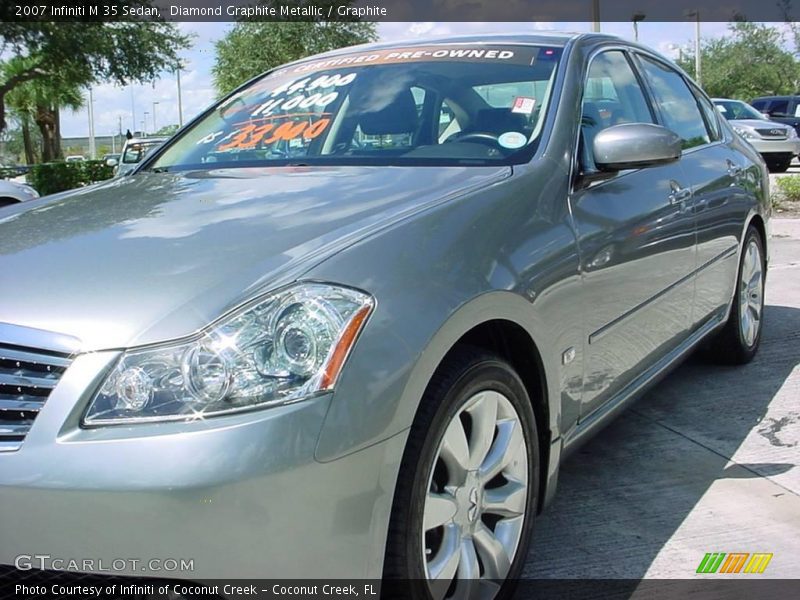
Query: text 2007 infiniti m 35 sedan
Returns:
{"type": "Point", "coordinates": [349, 320]}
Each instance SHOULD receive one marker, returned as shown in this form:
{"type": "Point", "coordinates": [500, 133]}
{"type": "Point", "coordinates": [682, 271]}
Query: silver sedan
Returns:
{"type": "Point", "coordinates": [776, 142]}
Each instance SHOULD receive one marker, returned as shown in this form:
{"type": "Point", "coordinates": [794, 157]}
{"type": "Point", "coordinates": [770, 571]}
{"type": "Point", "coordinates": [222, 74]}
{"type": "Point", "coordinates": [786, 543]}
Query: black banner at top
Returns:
{"type": "Point", "coordinates": [523, 11]}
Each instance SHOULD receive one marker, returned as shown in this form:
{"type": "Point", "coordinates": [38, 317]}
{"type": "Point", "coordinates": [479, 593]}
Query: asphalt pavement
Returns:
{"type": "Point", "coordinates": [707, 462]}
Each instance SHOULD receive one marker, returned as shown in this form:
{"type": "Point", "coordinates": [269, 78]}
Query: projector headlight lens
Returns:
{"type": "Point", "coordinates": [282, 348]}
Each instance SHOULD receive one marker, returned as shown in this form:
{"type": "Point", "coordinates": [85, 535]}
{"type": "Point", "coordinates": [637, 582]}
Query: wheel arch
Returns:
{"type": "Point", "coordinates": [505, 324]}
{"type": "Point", "coordinates": [757, 221]}
{"type": "Point", "coordinates": [511, 342]}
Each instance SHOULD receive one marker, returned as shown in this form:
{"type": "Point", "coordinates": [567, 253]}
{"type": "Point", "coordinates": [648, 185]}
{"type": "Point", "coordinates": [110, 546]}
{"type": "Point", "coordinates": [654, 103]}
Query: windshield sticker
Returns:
{"type": "Point", "coordinates": [523, 105]}
{"type": "Point", "coordinates": [304, 93]}
{"type": "Point", "coordinates": [252, 135]}
{"type": "Point", "coordinates": [520, 55]}
{"type": "Point", "coordinates": [512, 140]}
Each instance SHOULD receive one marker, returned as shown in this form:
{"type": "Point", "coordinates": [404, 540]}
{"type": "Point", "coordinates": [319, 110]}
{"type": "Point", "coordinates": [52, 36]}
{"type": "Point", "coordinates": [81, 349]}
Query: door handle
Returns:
{"type": "Point", "coordinates": [679, 194]}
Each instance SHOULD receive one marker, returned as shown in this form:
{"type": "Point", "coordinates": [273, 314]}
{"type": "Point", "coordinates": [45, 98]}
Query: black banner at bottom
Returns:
{"type": "Point", "coordinates": [52, 585]}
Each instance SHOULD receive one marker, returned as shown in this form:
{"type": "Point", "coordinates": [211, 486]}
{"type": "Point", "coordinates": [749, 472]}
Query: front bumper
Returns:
{"type": "Point", "coordinates": [240, 496]}
{"type": "Point", "coordinates": [789, 146]}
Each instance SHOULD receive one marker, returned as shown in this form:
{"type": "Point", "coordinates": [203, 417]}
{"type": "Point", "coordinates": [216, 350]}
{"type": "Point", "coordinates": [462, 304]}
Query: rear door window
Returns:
{"type": "Point", "coordinates": [676, 103]}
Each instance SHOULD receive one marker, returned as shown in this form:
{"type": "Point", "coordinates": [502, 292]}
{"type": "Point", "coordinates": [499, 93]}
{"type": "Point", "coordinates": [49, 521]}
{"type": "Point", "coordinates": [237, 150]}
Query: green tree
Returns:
{"type": "Point", "coordinates": [167, 130]}
{"type": "Point", "coordinates": [251, 48]}
{"type": "Point", "coordinates": [86, 52]}
{"type": "Point", "coordinates": [16, 143]}
{"type": "Point", "coordinates": [38, 102]}
{"type": "Point", "coordinates": [752, 60]}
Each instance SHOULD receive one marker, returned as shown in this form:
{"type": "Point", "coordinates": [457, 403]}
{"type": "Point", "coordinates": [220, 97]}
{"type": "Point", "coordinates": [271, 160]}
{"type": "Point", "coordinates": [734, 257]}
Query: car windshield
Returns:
{"type": "Point", "coordinates": [433, 105]}
{"type": "Point", "coordinates": [734, 110]}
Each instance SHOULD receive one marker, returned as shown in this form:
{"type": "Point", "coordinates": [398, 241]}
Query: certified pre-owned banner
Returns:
{"type": "Point", "coordinates": [397, 10]}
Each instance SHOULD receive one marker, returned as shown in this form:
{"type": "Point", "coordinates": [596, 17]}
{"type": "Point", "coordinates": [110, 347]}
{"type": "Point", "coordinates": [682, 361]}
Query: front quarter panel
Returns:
{"type": "Point", "coordinates": [505, 252]}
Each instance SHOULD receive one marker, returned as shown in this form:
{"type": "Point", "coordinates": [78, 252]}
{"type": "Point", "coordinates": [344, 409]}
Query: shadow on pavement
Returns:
{"type": "Point", "coordinates": [624, 494]}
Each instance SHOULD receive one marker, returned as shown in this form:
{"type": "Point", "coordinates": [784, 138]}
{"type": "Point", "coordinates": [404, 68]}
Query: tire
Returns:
{"type": "Point", "coordinates": [738, 342]}
{"type": "Point", "coordinates": [457, 406]}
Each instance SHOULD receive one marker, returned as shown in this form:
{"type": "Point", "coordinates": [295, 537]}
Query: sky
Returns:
{"type": "Point", "coordinates": [114, 105]}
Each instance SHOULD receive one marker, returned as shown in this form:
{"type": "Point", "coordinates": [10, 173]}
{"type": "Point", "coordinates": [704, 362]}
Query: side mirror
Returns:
{"type": "Point", "coordinates": [111, 162]}
{"type": "Point", "coordinates": [766, 115]}
{"type": "Point", "coordinates": [634, 146]}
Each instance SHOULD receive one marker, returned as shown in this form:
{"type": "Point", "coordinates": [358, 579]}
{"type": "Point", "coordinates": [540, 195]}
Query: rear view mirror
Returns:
{"type": "Point", "coordinates": [634, 146]}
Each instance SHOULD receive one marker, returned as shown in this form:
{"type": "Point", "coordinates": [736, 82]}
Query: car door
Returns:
{"type": "Point", "coordinates": [636, 238]}
{"type": "Point", "coordinates": [716, 175]}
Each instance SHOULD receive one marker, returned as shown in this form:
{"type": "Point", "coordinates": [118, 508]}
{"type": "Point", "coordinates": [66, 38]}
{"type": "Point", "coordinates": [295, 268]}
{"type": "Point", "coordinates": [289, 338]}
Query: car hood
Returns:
{"type": "Point", "coordinates": [758, 124]}
{"type": "Point", "coordinates": [153, 257]}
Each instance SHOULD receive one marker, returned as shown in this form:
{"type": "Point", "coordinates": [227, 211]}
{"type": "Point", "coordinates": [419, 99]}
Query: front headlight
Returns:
{"type": "Point", "coordinates": [280, 349]}
{"type": "Point", "coordinates": [745, 133]}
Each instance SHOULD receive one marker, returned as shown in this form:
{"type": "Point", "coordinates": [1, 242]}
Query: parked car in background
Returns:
{"type": "Point", "coordinates": [777, 143]}
{"type": "Point", "coordinates": [783, 109]}
{"type": "Point", "coordinates": [367, 354]}
{"type": "Point", "coordinates": [12, 193]}
{"type": "Point", "coordinates": [134, 150]}
{"type": "Point", "coordinates": [75, 158]}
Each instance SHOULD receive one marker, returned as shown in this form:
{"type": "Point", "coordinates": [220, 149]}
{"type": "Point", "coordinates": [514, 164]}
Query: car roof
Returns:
{"type": "Point", "coordinates": [145, 140]}
{"type": "Point", "coordinates": [558, 39]}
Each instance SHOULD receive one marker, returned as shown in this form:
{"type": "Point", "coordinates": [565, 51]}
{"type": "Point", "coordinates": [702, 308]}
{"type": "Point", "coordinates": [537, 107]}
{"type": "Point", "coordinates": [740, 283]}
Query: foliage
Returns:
{"type": "Point", "coordinates": [750, 61]}
{"type": "Point", "coordinates": [49, 178]}
{"type": "Point", "coordinates": [167, 130]}
{"type": "Point", "coordinates": [252, 48]}
{"type": "Point", "coordinates": [38, 102]}
{"type": "Point", "coordinates": [789, 188]}
{"type": "Point", "coordinates": [13, 144]}
{"type": "Point", "coordinates": [11, 172]}
{"type": "Point", "coordinates": [86, 52]}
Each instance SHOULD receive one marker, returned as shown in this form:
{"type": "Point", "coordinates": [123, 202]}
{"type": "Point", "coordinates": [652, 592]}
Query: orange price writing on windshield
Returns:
{"type": "Point", "coordinates": [251, 135]}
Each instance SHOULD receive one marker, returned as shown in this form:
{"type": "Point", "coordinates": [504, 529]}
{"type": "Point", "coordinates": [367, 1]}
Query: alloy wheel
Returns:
{"type": "Point", "coordinates": [474, 510]}
{"type": "Point", "coordinates": [751, 293]}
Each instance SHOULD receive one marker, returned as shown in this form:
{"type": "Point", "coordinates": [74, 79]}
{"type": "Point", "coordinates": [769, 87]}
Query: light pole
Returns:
{"type": "Point", "coordinates": [637, 18]}
{"type": "Point", "coordinates": [133, 109]}
{"type": "Point", "coordinates": [92, 149]}
{"type": "Point", "coordinates": [698, 73]}
{"type": "Point", "coordinates": [121, 143]}
{"type": "Point", "coordinates": [144, 123]}
{"type": "Point", "coordinates": [180, 99]}
{"type": "Point", "coordinates": [155, 127]}
{"type": "Point", "coordinates": [596, 15]}
{"type": "Point", "coordinates": [677, 48]}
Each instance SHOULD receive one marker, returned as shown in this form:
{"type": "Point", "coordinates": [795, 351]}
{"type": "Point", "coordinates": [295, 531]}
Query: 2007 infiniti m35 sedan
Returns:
{"type": "Point", "coordinates": [349, 321]}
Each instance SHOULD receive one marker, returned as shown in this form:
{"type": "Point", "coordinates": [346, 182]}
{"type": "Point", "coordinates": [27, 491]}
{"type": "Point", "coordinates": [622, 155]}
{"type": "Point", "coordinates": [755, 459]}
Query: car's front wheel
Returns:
{"type": "Point", "coordinates": [467, 490]}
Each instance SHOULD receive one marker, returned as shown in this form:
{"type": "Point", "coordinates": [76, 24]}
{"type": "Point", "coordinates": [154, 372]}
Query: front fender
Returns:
{"type": "Point", "coordinates": [379, 395]}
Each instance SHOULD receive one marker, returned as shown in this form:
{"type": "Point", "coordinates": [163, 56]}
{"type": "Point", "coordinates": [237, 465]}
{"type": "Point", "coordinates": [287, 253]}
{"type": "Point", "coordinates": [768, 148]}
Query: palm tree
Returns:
{"type": "Point", "coordinates": [38, 102]}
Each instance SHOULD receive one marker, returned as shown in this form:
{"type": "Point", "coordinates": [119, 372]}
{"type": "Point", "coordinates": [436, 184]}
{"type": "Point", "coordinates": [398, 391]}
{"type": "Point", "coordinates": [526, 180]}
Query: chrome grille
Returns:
{"type": "Point", "coordinates": [775, 132]}
{"type": "Point", "coordinates": [26, 379]}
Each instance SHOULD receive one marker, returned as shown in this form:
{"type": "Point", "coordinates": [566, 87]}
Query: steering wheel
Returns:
{"type": "Point", "coordinates": [482, 137]}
